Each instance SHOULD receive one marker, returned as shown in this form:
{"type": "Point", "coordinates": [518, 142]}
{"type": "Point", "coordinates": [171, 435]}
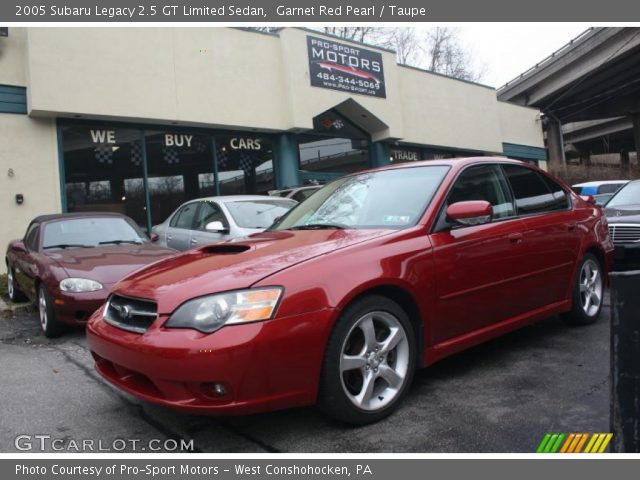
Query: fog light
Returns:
{"type": "Point", "coordinates": [219, 389]}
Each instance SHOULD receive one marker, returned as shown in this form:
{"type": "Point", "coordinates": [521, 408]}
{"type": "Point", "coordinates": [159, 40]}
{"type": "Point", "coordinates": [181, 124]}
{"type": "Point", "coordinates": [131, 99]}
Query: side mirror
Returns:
{"type": "Point", "coordinates": [215, 227]}
{"type": "Point", "coordinates": [19, 247]}
{"type": "Point", "coordinates": [475, 212]}
{"type": "Point", "coordinates": [154, 237]}
{"type": "Point", "coordinates": [589, 199]}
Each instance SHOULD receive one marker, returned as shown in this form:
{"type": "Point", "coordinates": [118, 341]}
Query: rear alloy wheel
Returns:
{"type": "Point", "coordinates": [14, 294]}
{"type": "Point", "coordinates": [50, 326]}
{"type": "Point", "coordinates": [588, 292]}
{"type": "Point", "coordinates": [369, 362]}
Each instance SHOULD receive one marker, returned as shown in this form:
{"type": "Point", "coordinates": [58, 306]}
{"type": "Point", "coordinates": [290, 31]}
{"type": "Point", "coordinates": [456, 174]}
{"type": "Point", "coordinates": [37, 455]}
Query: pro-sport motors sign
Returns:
{"type": "Point", "coordinates": [344, 67]}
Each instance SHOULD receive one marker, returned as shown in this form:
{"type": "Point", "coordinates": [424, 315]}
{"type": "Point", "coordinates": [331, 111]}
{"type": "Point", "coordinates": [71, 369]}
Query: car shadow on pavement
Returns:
{"type": "Point", "coordinates": [497, 397]}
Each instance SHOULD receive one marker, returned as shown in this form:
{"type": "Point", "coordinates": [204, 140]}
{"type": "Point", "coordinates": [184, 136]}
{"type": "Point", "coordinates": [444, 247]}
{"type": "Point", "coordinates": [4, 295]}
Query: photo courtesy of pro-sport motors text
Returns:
{"type": "Point", "coordinates": [319, 239]}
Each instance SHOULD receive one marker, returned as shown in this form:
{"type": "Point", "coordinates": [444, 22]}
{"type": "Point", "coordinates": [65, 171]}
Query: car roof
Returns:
{"type": "Point", "coordinates": [236, 198]}
{"type": "Point", "coordinates": [64, 216]}
{"type": "Point", "coordinates": [598, 183]}
{"type": "Point", "coordinates": [459, 162]}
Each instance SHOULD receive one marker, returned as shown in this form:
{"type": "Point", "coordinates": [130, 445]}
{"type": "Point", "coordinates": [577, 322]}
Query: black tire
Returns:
{"type": "Point", "coordinates": [579, 314]}
{"type": "Point", "coordinates": [338, 387]}
{"type": "Point", "coordinates": [14, 294]}
{"type": "Point", "coordinates": [48, 322]}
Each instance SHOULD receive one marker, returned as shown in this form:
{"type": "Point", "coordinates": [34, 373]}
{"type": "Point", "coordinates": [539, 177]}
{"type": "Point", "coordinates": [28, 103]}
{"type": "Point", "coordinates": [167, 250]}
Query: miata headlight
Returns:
{"type": "Point", "coordinates": [79, 285]}
{"type": "Point", "coordinates": [210, 313]}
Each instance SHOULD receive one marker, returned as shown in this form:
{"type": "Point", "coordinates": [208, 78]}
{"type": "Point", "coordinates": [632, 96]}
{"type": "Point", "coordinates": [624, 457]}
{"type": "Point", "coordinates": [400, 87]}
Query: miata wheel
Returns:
{"type": "Point", "coordinates": [50, 326]}
{"type": "Point", "coordinates": [14, 294]}
{"type": "Point", "coordinates": [369, 362]}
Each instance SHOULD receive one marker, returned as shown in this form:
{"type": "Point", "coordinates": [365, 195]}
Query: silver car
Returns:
{"type": "Point", "coordinates": [213, 219]}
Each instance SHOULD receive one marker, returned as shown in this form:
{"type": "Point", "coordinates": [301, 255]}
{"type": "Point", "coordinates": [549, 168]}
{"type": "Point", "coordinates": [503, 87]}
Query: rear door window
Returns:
{"type": "Point", "coordinates": [184, 217]}
{"type": "Point", "coordinates": [531, 192]}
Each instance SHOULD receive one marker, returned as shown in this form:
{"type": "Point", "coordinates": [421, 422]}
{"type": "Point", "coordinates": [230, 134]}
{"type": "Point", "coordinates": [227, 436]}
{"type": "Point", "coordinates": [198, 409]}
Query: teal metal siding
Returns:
{"type": "Point", "coordinates": [524, 151]}
{"type": "Point", "coordinates": [13, 99]}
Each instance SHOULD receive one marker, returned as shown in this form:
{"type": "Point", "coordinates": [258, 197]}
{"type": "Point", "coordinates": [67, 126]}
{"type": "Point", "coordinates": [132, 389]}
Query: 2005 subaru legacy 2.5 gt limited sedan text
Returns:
{"type": "Point", "coordinates": [375, 275]}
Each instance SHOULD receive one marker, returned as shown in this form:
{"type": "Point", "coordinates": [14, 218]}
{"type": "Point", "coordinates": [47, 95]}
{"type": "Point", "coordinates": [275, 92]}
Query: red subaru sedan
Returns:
{"type": "Point", "coordinates": [338, 303]}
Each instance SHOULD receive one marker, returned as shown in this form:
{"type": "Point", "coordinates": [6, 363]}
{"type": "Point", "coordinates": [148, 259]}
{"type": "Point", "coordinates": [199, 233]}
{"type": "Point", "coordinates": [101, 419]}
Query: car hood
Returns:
{"type": "Point", "coordinates": [107, 264]}
{"type": "Point", "coordinates": [627, 214]}
{"type": "Point", "coordinates": [234, 264]}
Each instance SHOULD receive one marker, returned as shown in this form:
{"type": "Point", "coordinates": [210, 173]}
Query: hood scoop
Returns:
{"type": "Point", "coordinates": [225, 249]}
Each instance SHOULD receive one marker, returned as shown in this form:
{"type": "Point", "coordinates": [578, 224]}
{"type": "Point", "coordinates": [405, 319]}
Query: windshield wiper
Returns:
{"type": "Point", "coordinates": [67, 245]}
{"type": "Point", "coordinates": [118, 242]}
{"type": "Point", "coordinates": [320, 226]}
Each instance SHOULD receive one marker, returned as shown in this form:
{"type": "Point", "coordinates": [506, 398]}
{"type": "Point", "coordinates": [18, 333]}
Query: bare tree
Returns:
{"type": "Point", "coordinates": [445, 54]}
{"type": "Point", "coordinates": [359, 34]}
{"type": "Point", "coordinates": [403, 40]}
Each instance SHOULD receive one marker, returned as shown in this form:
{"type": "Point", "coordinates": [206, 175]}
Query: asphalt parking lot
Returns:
{"type": "Point", "coordinates": [499, 397]}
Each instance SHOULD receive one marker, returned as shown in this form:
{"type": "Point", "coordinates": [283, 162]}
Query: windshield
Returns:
{"type": "Point", "coordinates": [258, 213]}
{"type": "Point", "coordinates": [384, 199]}
{"type": "Point", "coordinates": [90, 232]}
{"type": "Point", "coordinates": [627, 195]}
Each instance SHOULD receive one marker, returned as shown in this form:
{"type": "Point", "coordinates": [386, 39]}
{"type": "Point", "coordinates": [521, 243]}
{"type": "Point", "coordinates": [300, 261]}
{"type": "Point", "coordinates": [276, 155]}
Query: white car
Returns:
{"type": "Point", "coordinates": [299, 194]}
{"type": "Point", "coordinates": [214, 219]}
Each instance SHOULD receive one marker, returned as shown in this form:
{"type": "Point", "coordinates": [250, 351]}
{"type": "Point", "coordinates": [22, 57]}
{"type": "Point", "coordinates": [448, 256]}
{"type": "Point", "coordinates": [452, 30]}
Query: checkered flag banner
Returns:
{"type": "Point", "coordinates": [170, 155]}
{"type": "Point", "coordinates": [104, 154]}
{"type": "Point", "coordinates": [246, 163]}
{"type": "Point", "coordinates": [199, 145]}
{"type": "Point", "coordinates": [136, 153]}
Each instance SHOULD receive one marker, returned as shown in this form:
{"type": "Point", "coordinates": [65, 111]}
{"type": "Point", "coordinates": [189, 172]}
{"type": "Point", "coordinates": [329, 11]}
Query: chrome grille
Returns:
{"type": "Point", "coordinates": [624, 233]}
{"type": "Point", "coordinates": [132, 314]}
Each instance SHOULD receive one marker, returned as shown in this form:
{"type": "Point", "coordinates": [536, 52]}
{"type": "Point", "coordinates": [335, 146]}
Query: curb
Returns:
{"type": "Point", "coordinates": [8, 309]}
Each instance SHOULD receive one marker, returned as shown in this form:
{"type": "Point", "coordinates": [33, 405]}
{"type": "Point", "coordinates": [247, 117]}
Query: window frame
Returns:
{"type": "Point", "coordinates": [176, 216]}
{"type": "Point", "coordinates": [544, 177]}
{"type": "Point", "coordinates": [36, 228]}
{"type": "Point", "coordinates": [225, 222]}
{"type": "Point", "coordinates": [441, 224]}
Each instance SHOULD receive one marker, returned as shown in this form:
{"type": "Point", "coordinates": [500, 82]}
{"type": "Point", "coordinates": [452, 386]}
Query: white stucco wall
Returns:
{"type": "Point", "coordinates": [28, 148]}
{"type": "Point", "coordinates": [221, 77]}
{"type": "Point", "coordinates": [520, 125]}
{"type": "Point", "coordinates": [13, 53]}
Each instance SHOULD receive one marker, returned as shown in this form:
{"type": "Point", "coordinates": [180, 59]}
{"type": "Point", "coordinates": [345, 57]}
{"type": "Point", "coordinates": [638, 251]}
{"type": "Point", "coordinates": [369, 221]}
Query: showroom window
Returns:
{"type": "Point", "coordinates": [245, 165]}
{"type": "Point", "coordinates": [180, 168]}
{"type": "Point", "coordinates": [121, 168]}
{"type": "Point", "coordinates": [336, 146]}
{"type": "Point", "coordinates": [104, 170]}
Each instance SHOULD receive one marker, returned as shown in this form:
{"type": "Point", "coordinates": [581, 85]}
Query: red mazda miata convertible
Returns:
{"type": "Point", "coordinates": [377, 274]}
{"type": "Point", "coordinates": [68, 262]}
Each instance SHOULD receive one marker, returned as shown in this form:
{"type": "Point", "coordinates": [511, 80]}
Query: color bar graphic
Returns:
{"type": "Point", "coordinates": [552, 442]}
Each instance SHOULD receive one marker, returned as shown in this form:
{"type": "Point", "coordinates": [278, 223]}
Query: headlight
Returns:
{"type": "Point", "coordinates": [208, 314]}
{"type": "Point", "coordinates": [78, 285]}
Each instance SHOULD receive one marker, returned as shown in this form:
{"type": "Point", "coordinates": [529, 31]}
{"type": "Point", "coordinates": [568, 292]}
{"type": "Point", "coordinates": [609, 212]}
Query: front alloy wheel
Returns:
{"type": "Point", "coordinates": [369, 361]}
{"type": "Point", "coordinates": [375, 361]}
{"type": "Point", "coordinates": [50, 326]}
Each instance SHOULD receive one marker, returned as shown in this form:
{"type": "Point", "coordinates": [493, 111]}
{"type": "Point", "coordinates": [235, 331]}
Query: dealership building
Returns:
{"type": "Point", "coordinates": [139, 120]}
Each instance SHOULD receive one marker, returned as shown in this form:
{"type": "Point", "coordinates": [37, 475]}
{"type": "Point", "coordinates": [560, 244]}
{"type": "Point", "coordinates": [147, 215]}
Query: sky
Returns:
{"type": "Point", "coordinates": [507, 50]}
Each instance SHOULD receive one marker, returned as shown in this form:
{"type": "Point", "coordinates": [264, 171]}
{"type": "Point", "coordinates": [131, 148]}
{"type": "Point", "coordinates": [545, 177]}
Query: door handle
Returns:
{"type": "Point", "coordinates": [515, 237]}
{"type": "Point", "coordinates": [169, 237]}
{"type": "Point", "coordinates": [194, 241]}
{"type": "Point", "coordinates": [571, 226]}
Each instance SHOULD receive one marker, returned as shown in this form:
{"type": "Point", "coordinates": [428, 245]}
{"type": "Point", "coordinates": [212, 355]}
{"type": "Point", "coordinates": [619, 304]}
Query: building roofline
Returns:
{"type": "Point", "coordinates": [424, 70]}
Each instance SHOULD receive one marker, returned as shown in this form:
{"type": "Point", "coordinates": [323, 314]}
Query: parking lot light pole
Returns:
{"type": "Point", "coordinates": [625, 362]}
